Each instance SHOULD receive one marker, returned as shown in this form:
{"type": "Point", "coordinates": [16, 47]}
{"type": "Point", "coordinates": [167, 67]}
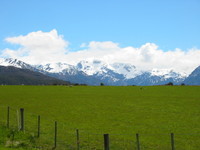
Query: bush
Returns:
{"type": "Point", "coordinates": [102, 84]}
{"type": "Point", "coordinates": [170, 83]}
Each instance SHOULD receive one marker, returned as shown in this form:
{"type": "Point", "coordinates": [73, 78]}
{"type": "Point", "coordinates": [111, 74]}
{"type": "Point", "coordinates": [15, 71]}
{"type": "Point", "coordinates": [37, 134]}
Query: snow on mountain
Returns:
{"type": "Point", "coordinates": [54, 67]}
{"type": "Point", "coordinates": [129, 71]}
{"type": "Point", "coordinates": [102, 71]}
{"type": "Point", "coordinates": [3, 62]}
{"type": "Point", "coordinates": [99, 67]}
{"type": "Point", "coordinates": [57, 68]}
{"type": "Point", "coordinates": [92, 67]}
{"type": "Point", "coordinates": [11, 62]}
{"type": "Point", "coordinates": [93, 72]}
{"type": "Point", "coordinates": [15, 63]}
{"type": "Point", "coordinates": [168, 73]}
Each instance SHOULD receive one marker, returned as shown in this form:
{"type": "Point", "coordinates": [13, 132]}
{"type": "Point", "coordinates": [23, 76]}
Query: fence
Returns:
{"type": "Point", "coordinates": [50, 134]}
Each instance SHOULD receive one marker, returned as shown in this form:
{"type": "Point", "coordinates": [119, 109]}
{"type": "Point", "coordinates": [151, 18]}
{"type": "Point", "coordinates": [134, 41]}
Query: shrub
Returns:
{"type": "Point", "coordinates": [170, 83]}
{"type": "Point", "coordinates": [102, 84]}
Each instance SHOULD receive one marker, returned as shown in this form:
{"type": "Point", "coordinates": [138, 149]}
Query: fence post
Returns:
{"type": "Point", "coordinates": [138, 141]}
{"type": "Point", "coordinates": [38, 126]}
{"type": "Point", "coordinates": [106, 142]}
{"type": "Point", "coordinates": [55, 136]}
{"type": "Point", "coordinates": [8, 117]}
{"type": "Point", "coordinates": [172, 141]}
{"type": "Point", "coordinates": [21, 119]}
{"type": "Point", "coordinates": [77, 139]}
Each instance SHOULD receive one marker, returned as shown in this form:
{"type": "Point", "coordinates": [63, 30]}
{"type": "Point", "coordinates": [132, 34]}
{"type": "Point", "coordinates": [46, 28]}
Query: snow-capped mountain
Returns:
{"type": "Point", "coordinates": [58, 68]}
{"type": "Point", "coordinates": [157, 78]}
{"type": "Point", "coordinates": [93, 72]}
{"type": "Point", "coordinates": [127, 74]}
{"type": "Point", "coordinates": [111, 74]}
{"type": "Point", "coordinates": [92, 67]}
{"type": "Point", "coordinates": [102, 71]}
{"type": "Point", "coordinates": [97, 67]}
{"type": "Point", "coordinates": [168, 73]}
{"type": "Point", "coordinates": [15, 63]}
{"type": "Point", "coordinates": [67, 72]}
{"type": "Point", "coordinates": [129, 71]}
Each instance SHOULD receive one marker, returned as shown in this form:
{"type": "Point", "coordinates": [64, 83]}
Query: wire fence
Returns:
{"type": "Point", "coordinates": [41, 133]}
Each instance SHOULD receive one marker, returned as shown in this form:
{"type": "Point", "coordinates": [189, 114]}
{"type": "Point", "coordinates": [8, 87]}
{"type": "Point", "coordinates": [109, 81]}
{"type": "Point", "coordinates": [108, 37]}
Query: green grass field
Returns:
{"type": "Point", "coordinates": [153, 112]}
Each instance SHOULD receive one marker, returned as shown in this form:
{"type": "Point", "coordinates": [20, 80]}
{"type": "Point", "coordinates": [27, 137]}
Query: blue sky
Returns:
{"type": "Point", "coordinates": [168, 23]}
{"type": "Point", "coordinates": [162, 34]}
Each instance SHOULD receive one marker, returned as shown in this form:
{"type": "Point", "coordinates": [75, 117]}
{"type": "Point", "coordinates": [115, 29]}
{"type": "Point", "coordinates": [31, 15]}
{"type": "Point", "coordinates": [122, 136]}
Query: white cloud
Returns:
{"type": "Point", "coordinates": [148, 56]}
{"type": "Point", "coordinates": [38, 47]}
{"type": "Point", "coordinates": [43, 47]}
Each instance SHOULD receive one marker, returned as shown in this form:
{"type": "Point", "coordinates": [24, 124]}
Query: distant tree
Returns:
{"type": "Point", "coordinates": [182, 84]}
{"type": "Point", "coordinates": [170, 83]}
{"type": "Point", "coordinates": [102, 84]}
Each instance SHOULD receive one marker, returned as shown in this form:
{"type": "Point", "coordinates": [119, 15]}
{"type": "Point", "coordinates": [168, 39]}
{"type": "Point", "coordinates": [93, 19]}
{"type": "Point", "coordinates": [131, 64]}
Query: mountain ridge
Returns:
{"type": "Point", "coordinates": [10, 75]}
{"type": "Point", "coordinates": [194, 77]}
{"type": "Point", "coordinates": [94, 72]}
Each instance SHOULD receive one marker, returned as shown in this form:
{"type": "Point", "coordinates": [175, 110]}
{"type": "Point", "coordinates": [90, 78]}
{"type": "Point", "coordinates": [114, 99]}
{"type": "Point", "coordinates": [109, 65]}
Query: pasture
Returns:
{"type": "Point", "coordinates": [153, 111]}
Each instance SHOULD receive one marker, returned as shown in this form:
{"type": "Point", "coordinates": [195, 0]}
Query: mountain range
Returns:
{"type": "Point", "coordinates": [94, 72]}
{"type": "Point", "coordinates": [10, 75]}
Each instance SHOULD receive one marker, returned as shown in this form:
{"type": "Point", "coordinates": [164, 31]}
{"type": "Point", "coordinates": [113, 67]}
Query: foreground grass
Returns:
{"type": "Point", "coordinates": [14, 139]}
{"type": "Point", "coordinates": [154, 112]}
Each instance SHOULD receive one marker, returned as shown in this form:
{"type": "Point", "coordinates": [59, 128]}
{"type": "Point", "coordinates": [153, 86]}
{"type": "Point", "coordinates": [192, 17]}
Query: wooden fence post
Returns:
{"type": "Point", "coordinates": [106, 142]}
{"type": "Point", "coordinates": [172, 141]}
{"type": "Point", "coordinates": [77, 139]}
{"type": "Point", "coordinates": [21, 119]}
{"type": "Point", "coordinates": [138, 141]}
{"type": "Point", "coordinates": [38, 126]}
{"type": "Point", "coordinates": [55, 136]}
{"type": "Point", "coordinates": [8, 117]}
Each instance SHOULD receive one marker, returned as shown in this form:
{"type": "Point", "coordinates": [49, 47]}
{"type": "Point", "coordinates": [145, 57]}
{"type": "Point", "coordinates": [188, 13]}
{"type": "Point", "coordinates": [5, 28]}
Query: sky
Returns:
{"type": "Point", "coordinates": [146, 33]}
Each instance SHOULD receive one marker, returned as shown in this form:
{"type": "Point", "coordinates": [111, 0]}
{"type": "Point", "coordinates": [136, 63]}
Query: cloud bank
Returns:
{"type": "Point", "coordinates": [38, 47]}
{"type": "Point", "coordinates": [46, 47]}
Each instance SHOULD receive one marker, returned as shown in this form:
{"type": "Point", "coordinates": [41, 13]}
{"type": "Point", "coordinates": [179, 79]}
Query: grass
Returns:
{"type": "Point", "coordinates": [153, 112]}
{"type": "Point", "coordinates": [15, 139]}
